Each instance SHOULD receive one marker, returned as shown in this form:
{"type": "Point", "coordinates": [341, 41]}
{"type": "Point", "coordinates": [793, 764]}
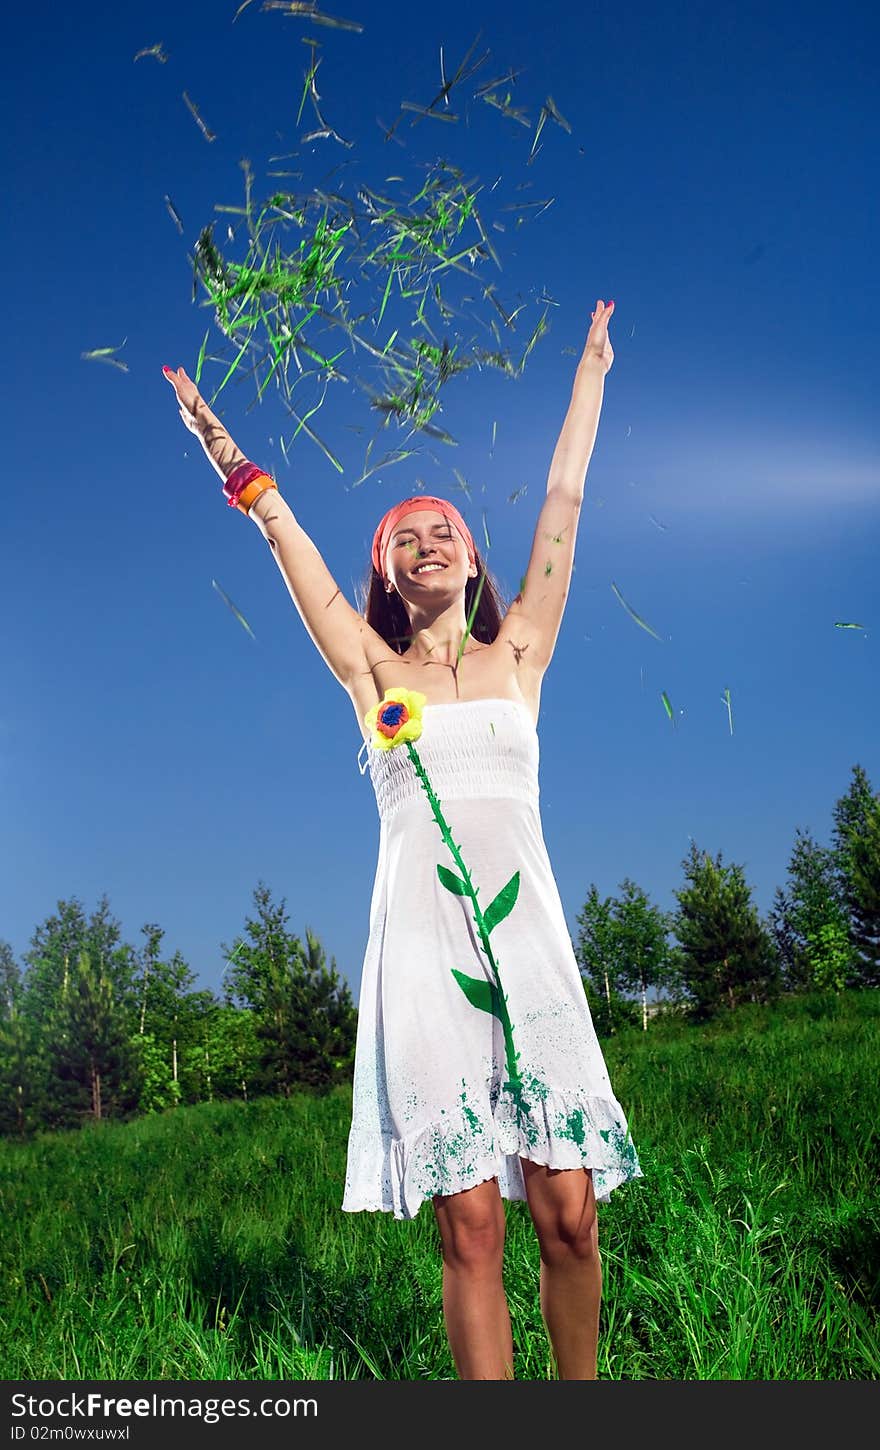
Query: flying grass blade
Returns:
{"type": "Point", "coordinates": [244, 6]}
{"type": "Point", "coordinates": [633, 615]}
{"type": "Point", "coordinates": [105, 355]}
{"type": "Point", "coordinates": [302, 423]}
{"type": "Point", "coordinates": [486, 533]}
{"type": "Point", "coordinates": [390, 130]}
{"type": "Point", "coordinates": [201, 357]}
{"type": "Point", "coordinates": [424, 111]}
{"type": "Point", "coordinates": [515, 114]}
{"type": "Point", "coordinates": [154, 50]}
{"type": "Point", "coordinates": [241, 352]}
{"type": "Point", "coordinates": [554, 115]}
{"type": "Point", "coordinates": [471, 617]}
{"type": "Point", "coordinates": [440, 434]}
{"type": "Point", "coordinates": [538, 332]}
{"type": "Point", "coordinates": [310, 75]}
{"type": "Point", "coordinates": [726, 698]}
{"type": "Point", "coordinates": [98, 356]}
{"type": "Point", "coordinates": [208, 135]}
{"type": "Point", "coordinates": [667, 707]}
{"type": "Point", "coordinates": [538, 129]}
{"type": "Point", "coordinates": [504, 80]}
{"type": "Point", "coordinates": [240, 617]}
{"type": "Point", "coordinates": [172, 212]}
{"type": "Point", "coordinates": [490, 293]}
{"type": "Point", "coordinates": [396, 456]}
{"type": "Point", "coordinates": [307, 10]}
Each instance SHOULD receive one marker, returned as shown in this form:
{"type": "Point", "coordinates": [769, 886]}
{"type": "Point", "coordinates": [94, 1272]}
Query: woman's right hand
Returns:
{"type": "Point", "coordinates": [193, 409]}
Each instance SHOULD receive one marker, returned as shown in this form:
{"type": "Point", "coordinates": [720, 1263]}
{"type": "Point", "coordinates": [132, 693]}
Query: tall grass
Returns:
{"type": "Point", "coordinates": [208, 1243]}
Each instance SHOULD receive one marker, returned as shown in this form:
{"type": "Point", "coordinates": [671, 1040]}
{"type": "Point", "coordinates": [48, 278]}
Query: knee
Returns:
{"type": "Point", "coordinates": [570, 1235]}
{"type": "Point", "coordinates": [473, 1242]}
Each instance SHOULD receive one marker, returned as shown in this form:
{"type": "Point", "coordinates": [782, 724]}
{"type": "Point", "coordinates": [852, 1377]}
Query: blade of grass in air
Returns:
{"type": "Point", "coordinates": [154, 50]}
{"type": "Point", "coordinates": [172, 212]}
{"type": "Point", "coordinates": [105, 355]}
{"type": "Point", "coordinates": [208, 134]}
{"type": "Point", "coordinates": [633, 615]}
{"type": "Point", "coordinates": [471, 617]}
{"type": "Point", "coordinates": [307, 10]}
{"type": "Point", "coordinates": [240, 617]}
{"type": "Point", "coordinates": [201, 358]}
{"type": "Point", "coordinates": [726, 698]}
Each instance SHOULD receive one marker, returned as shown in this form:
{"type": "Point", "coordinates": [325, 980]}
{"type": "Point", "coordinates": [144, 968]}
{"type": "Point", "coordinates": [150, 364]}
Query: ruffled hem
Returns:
{"type": "Point", "coordinates": [465, 1148]}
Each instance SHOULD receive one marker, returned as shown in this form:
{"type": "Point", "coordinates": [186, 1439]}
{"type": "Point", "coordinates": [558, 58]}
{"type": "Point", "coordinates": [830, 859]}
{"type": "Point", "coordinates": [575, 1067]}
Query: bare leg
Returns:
{"type": "Point", "coordinates": [472, 1228]}
{"type": "Point", "coordinates": [563, 1209]}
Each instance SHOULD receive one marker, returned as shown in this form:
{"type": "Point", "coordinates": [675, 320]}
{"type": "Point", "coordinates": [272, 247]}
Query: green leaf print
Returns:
{"type": "Point", "coordinates": [503, 904]}
{"type": "Point", "coordinates": [451, 881]}
{"type": "Point", "coordinates": [479, 992]}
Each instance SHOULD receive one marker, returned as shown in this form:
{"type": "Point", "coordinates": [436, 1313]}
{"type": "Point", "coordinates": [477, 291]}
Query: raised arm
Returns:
{"type": "Point", "coordinates": [339, 633]}
{"type": "Point", "coordinates": [530, 627]}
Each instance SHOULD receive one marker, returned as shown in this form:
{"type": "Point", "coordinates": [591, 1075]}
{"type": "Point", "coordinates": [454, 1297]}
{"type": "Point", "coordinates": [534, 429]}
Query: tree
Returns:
{"type": "Point", "coordinates": [645, 960]}
{"type": "Point", "coordinates": [622, 947]}
{"type": "Point", "coordinates": [18, 1102]}
{"type": "Point", "coordinates": [857, 838]}
{"type": "Point", "coordinates": [727, 957]}
{"type": "Point", "coordinates": [168, 1013]}
{"type": "Point", "coordinates": [90, 1046]}
{"type": "Point", "coordinates": [304, 1016]}
{"type": "Point", "coordinates": [811, 912]}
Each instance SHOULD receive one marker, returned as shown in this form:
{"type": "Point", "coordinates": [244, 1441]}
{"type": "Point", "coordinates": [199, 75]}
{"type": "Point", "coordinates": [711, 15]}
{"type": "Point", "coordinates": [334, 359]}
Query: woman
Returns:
{"type": "Point", "coordinates": [466, 1107]}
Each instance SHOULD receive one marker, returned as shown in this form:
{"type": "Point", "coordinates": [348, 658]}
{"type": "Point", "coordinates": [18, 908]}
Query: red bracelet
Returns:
{"type": "Point", "coordinates": [239, 479]}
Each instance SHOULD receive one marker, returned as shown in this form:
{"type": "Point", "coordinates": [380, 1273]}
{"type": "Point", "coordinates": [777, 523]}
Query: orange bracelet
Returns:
{"type": "Point", "coordinates": [252, 491]}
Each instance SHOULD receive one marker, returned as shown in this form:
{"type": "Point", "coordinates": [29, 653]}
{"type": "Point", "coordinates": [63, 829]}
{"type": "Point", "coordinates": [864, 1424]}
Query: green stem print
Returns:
{"type": "Point", "coordinates": [488, 996]}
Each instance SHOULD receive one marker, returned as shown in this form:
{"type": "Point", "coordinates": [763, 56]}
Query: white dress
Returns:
{"type": "Point", "coordinates": [454, 1079]}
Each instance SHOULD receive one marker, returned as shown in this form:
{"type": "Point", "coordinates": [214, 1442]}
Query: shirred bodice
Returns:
{"type": "Point", "coordinates": [470, 749]}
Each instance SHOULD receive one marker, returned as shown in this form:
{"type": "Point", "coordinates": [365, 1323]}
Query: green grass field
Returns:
{"type": "Point", "coordinates": [208, 1243]}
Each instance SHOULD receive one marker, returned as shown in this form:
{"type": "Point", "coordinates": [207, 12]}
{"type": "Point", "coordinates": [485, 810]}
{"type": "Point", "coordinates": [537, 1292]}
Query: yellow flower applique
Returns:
{"type": "Point", "coordinates": [396, 719]}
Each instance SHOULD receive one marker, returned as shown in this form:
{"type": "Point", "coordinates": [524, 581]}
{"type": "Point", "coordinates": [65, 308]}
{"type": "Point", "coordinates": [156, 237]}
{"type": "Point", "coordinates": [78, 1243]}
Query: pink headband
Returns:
{"type": "Point", "coordinates": [382, 536]}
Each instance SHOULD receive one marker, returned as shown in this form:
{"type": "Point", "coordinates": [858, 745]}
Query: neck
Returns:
{"type": "Point", "coordinates": [438, 641]}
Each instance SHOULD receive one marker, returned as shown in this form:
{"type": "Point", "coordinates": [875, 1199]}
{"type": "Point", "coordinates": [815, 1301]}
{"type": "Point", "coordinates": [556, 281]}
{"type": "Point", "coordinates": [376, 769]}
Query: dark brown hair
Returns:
{"type": "Point", "coordinates": [387, 615]}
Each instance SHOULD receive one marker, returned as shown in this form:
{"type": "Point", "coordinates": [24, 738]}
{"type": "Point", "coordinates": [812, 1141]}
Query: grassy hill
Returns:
{"type": "Point", "coordinates": [208, 1242]}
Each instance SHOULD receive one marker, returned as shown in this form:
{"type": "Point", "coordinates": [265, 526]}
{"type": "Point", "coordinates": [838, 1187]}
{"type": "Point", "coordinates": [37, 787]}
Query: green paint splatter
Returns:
{"type": "Point", "coordinates": [574, 1127]}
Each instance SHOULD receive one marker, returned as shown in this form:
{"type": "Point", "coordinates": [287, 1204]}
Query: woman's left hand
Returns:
{"type": "Point", "coordinates": [598, 352]}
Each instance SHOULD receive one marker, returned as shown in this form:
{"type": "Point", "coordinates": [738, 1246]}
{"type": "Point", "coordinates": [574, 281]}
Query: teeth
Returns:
{"type": "Point", "coordinates": [423, 569]}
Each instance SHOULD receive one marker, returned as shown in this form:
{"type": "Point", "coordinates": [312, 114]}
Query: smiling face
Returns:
{"type": "Point", "coordinates": [421, 540]}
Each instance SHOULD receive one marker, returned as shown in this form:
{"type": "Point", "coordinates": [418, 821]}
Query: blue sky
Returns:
{"type": "Point", "coordinates": [717, 183]}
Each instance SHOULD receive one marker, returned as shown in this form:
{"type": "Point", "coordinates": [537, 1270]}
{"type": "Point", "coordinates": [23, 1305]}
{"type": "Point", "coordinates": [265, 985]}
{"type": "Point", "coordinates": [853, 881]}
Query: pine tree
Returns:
{"type": "Point", "coordinates": [727, 957]}
{"type": "Point", "coordinates": [811, 911]}
{"type": "Point", "coordinates": [90, 1046]}
{"type": "Point", "coordinates": [304, 1016]}
{"type": "Point", "coordinates": [857, 838]}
